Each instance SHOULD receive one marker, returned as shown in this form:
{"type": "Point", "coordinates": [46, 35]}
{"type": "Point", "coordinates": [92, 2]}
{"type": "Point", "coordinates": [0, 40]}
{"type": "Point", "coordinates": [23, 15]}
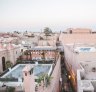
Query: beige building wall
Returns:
{"type": "Point", "coordinates": [77, 38]}
{"type": "Point", "coordinates": [29, 79]}
{"type": "Point", "coordinates": [3, 54]}
{"type": "Point", "coordinates": [74, 59]}
{"type": "Point", "coordinates": [79, 31]}
{"type": "Point", "coordinates": [55, 83]}
{"type": "Point", "coordinates": [48, 54]}
{"type": "Point", "coordinates": [86, 56]}
{"type": "Point", "coordinates": [71, 59]}
{"type": "Point", "coordinates": [38, 55]}
{"type": "Point", "coordinates": [9, 55]}
{"type": "Point", "coordinates": [69, 40]}
{"type": "Point", "coordinates": [13, 54]}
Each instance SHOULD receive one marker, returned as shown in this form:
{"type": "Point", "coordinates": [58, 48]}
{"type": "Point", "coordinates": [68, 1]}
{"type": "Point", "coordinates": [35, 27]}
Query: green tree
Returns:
{"type": "Point", "coordinates": [45, 78]}
{"type": "Point", "coordinates": [47, 31]}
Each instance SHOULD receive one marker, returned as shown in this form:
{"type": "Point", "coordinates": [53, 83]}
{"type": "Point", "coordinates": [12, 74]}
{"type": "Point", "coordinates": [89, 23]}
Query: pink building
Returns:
{"type": "Point", "coordinates": [40, 52]}
{"type": "Point", "coordinates": [45, 49]}
{"type": "Point", "coordinates": [79, 46]}
{"type": "Point", "coordinates": [8, 52]}
{"type": "Point", "coordinates": [25, 76]}
{"type": "Point", "coordinates": [30, 85]}
{"type": "Point", "coordinates": [74, 38]}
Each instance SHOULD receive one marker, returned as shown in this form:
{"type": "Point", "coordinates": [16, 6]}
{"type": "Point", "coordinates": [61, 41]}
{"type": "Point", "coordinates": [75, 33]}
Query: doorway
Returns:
{"type": "Point", "coordinates": [3, 64]}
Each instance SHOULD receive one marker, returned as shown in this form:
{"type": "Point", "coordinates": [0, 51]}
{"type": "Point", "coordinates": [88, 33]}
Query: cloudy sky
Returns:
{"type": "Point", "coordinates": [34, 15]}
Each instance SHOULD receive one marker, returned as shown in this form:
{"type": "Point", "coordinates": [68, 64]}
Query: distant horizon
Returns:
{"type": "Point", "coordinates": [42, 29]}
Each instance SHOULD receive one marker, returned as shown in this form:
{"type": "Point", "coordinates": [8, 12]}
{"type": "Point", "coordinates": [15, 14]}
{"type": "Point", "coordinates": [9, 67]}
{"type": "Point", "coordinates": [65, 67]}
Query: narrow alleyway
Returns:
{"type": "Point", "coordinates": [66, 83]}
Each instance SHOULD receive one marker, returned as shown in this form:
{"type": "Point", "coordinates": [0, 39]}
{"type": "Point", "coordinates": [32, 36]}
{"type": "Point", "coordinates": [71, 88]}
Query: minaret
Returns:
{"type": "Point", "coordinates": [29, 79]}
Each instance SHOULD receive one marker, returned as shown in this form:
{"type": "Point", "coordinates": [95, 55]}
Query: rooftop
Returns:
{"type": "Point", "coordinates": [90, 70]}
{"type": "Point", "coordinates": [38, 70]}
{"type": "Point", "coordinates": [81, 47]}
{"type": "Point", "coordinates": [43, 48]}
{"type": "Point", "coordinates": [85, 49]}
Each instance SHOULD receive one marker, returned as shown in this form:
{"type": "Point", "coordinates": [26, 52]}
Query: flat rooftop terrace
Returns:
{"type": "Point", "coordinates": [38, 70]}
{"type": "Point", "coordinates": [90, 70]}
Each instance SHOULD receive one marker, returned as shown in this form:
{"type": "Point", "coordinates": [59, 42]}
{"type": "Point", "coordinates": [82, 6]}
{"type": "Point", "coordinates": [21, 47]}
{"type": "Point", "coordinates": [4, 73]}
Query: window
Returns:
{"type": "Point", "coordinates": [25, 74]}
{"type": "Point", "coordinates": [21, 50]}
{"type": "Point", "coordinates": [31, 71]}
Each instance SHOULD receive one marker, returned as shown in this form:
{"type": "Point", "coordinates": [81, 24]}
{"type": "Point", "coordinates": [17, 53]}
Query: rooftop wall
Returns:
{"type": "Point", "coordinates": [79, 31]}
{"type": "Point", "coordinates": [87, 56]}
{"type": "Point", "coordinates": [56, 75]}
{"type": "Point", "coordinates": [55, 81]}
{"type": "Point", "coordinates": [77, 38]}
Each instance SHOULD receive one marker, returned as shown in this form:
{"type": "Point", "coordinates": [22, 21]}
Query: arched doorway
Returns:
{"type": "Point", "coordinates": [3, 63]}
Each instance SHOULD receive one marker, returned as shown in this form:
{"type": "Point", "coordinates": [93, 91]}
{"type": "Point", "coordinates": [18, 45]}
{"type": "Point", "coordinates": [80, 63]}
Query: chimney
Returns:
{"type": "Point", "coordinates": [29, 79]}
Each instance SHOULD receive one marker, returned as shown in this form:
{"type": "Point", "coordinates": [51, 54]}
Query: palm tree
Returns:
{"type": "Point", "coordinates": [48, 79]}
{"type": "Point", "coordinates": [40, 78]}
{"type": "Point", "coordinates": [45, 78]}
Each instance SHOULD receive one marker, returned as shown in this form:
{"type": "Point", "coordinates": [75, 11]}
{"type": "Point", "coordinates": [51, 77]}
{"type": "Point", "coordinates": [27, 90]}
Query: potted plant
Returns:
{"type": "Point", "coordinates": [10, 89]}
{"type": "Point", "coordinates": [8, 64]}
{"type": "Point", "coordinates": [19, 61]}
